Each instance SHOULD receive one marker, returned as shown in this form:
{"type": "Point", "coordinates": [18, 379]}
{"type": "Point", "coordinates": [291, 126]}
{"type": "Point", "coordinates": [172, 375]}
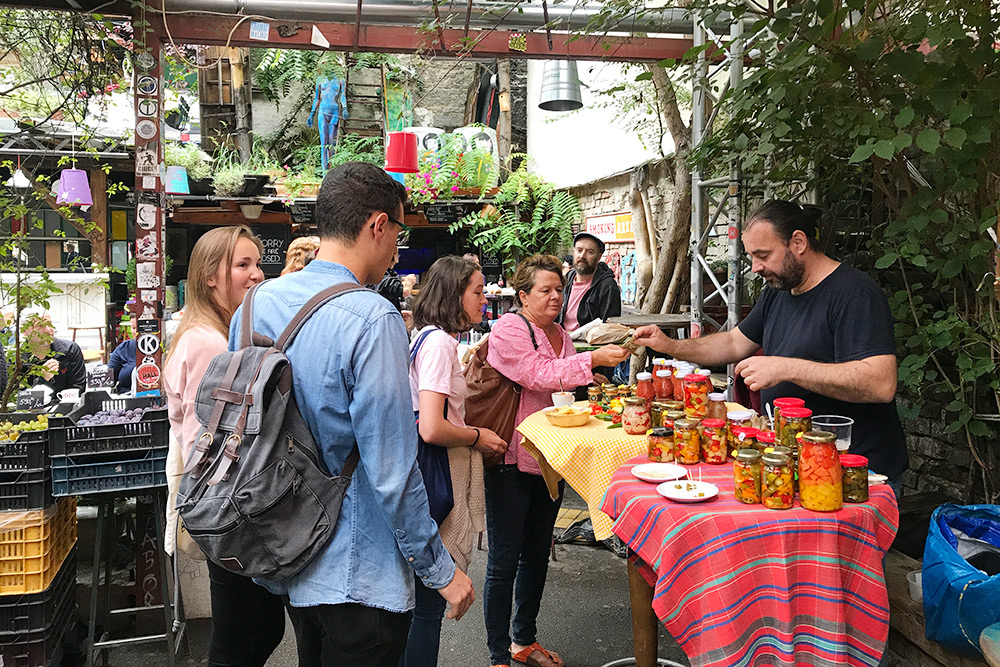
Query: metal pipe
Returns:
{"type": "Point", "coordinates": [484, 15]}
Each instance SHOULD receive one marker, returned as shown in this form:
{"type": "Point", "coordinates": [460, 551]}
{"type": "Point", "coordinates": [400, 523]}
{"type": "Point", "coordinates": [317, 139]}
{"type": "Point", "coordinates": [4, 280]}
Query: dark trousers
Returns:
{"type": "Point", "coordinates": [342, 635]}
{"type": "Point", "coordinates": [520, 517]}
{"type": "Point", "coordinates": [424, 639]}
{"type": "Point", "coordinates": [247, 621]}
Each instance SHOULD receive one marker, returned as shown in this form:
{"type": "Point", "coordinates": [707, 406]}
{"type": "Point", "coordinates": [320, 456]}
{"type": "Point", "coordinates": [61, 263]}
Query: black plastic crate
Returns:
{"type": "Point", "coordinates": [36, 612]}
{"type": "Point", "coordinates": [68, 439]}
{"type": "Point", "coordinates": [38, 647]}
{"type": "Point", "coordinates": [74, 476]}
{"type": "Point", "coordinates": [25, 490]}
{"type": "Point", "coordinates": [31, 449]}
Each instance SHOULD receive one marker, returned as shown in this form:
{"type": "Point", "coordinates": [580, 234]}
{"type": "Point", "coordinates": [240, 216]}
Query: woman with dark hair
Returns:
{"type": "Point", "coordinates": [530, 349]}
{"type": "Point", "coordinates": [449, 302]}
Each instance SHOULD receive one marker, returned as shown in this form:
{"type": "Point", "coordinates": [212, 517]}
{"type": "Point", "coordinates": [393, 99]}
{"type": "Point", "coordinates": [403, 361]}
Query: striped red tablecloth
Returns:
{"type": "Point", "coordinates": [740, 585]}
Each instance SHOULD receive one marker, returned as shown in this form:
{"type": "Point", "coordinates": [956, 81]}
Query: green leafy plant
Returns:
{"type": "Point", "coordinates": [193, 159]}
{"type": "Point", "coordinates": [452, 168]}
{"type": "Point", "coordinates": [527, 215]}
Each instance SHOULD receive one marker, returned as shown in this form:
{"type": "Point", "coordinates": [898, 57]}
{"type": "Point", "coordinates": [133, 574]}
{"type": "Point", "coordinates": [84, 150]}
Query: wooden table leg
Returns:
{"type": "Point", "coordinates": [645, 626]}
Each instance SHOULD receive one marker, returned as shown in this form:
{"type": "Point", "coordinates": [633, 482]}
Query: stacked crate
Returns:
{"type": "Point", "coordinates": [37, 555]}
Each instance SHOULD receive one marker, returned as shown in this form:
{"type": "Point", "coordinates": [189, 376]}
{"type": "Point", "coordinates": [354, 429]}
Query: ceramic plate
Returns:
{"type": "Point", "coordinates": [687, 491]}
{"type": "Point", "coordinates": [658, 472]}
{"type": "Point", "coordinates": [875, 478]}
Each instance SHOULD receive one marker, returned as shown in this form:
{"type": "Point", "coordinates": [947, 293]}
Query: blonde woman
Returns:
{"type": "Point", "coordinates": [301, 251]}
{"type": "Point", "coordinates": [247, 621]}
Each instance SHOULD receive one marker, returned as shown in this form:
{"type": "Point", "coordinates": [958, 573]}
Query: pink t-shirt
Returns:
{"type": "Point", "coordinates": [436, 368]}
{"type": "Point", "coordinates": [187, 364]}
{"type": "Point", "coordinates": [570, 321]}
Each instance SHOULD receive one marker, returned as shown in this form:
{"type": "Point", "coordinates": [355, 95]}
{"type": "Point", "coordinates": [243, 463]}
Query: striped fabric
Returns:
{"type": "Point", "coordinates": [740, 585]}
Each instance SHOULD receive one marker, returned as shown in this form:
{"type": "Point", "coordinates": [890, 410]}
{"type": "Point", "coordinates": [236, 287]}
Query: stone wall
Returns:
{"type": "Point", "coordinates": [939, 461]}
{"type": "Point", "coordinates": [441, 102]}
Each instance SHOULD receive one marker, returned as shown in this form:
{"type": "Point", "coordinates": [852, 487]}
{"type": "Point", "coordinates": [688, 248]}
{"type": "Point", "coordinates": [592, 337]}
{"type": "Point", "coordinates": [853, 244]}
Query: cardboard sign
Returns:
{"type": "Point", "coordinates": [30, 399]}
{"type": "Point", "coordinates": [101, 377]}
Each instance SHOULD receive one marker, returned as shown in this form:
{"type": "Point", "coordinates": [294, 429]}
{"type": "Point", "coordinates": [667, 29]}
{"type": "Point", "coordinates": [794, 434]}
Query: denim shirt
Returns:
{"type": "Point", "coordinates": [349, 364]}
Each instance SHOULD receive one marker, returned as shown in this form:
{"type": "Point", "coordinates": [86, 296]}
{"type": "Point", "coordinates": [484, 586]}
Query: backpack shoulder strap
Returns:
{"type": "Point", "coordinates": [310, 307]}
{"type": "Point", "coordinates": [419, 342]}
{"type": "Point", "coordinates": [531, 330]}
{"type": "Point", "coordinates": [248, 336]}
{"type": "Point", "coordinates": [352, 462]}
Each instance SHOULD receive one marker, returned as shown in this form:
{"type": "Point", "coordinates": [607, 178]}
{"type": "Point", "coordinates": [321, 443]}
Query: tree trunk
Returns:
{"type": "Point", "coordinates": [504, 121]}
{"type": "Point", "coordinates": [643, 251]}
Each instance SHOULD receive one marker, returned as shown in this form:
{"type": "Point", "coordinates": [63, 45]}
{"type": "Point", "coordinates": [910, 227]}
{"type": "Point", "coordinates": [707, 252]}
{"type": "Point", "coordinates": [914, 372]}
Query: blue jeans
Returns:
{"type": "Point", "coordinates": [425, 628]}
{"type": "Point", "coordinates": [520, 517]}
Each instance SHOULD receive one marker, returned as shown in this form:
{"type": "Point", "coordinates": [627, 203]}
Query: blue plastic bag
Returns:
{"type": "Point", "coordinates": [959, 598]}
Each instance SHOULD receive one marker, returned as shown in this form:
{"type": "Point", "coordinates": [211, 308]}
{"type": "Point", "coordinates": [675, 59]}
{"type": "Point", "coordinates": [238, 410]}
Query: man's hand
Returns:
{"type": "Point", "coordinates": [763, 372]}
{"type": "Point", "coordinates": [50, 368]}
{"type": "Point", "coordinates": [600, 379]}
{"type": "Point", "coordinates": [652, 337]}
{"type": "Point", "coordinates": [459, 594]}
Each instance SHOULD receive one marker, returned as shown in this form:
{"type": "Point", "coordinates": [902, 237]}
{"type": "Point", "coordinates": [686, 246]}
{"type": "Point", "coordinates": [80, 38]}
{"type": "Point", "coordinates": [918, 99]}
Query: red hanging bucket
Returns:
{"type": "Point", "coordinates": [401, 153]}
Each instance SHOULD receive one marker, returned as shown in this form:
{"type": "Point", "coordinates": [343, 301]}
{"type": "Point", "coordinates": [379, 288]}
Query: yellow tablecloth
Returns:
{"type": "Point", "coordinates": [585, 456]}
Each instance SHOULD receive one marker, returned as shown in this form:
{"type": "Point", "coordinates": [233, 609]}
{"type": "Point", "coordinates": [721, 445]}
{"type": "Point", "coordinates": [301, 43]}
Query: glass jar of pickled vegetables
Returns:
{"type": "Point", "coordinates": [714, 441]}
{"type": "Point", "coordinates": [644, 387]}
{"type": "Point", "coordinates": [662, 386]}
{"type": "Point", "coordinates": [793, 422]}
{"type": "Point", "coordinates": [776, 490]}
{"type": "Point", "coordinates": [745, 437]}
{"type": "Point", "coordinates": [674, 405]}
{"type": "Point", "coordinates": [737, 419]}
{"type": "Point", "coordinates": [670, 416]}
{"type": "Point", "coordinates": [821, 482]}
{"type": "Point", "coordinates": [765, 441]}
{"type": "Point", "coordinates": [782, 403]}
{"type": "Point", "coordinates": [747, 476]}
{"type": "Point", "coordinates": [661, 445]}
{"type": "Point", "coordinates": [855, 476]}
{"type": "Point", "coordinates": [594, 394]}
{"type": "Point", "coordinates": [610, 391]}
{"type": "Point", "coordinates": [717, 406]}
{"type": "Point", "coordinates": [635, 416]}
{"type": "Point", "coordinates": [695, 396]}
{"type": "Point", "coordinates": [626, 390]}
{"type": "Point", "coordinates": [687, 442]}
{"type": "Point", "coordinates": [656, 412]}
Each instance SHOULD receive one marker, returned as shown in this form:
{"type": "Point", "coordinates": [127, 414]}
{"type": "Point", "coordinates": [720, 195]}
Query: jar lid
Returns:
{"type": "Point", "coordinates": [674, 405]}
{"type": "Point", "coordinates": [694, 377]}
{"type": "Point", "coordinates": [711, 422]}
{"type": "Point", "coordinates": [739, 415]}
{"type": "Point", "coordinates": [704, 371]}
{"type": "Point", "coordinates": [635, 400]}
{"type": "Point", "coordinates": [674, 414]}
{"type": "Point", "coordinates": [746, 432]}
{"type": "Point", "coordinates": [717, 396]}
{"type": "Point", "coordinates": [685, 423]}
{"type": "Point", "coordinates": [781, 449]}
{"type": "Point", "coordinates": [748, 455]}
{"type": "Point", "coordinates": [776, 458]}
{"type": "Point", "coordinates": [819, 437]}
{"type": "Point", "coordinates": [853, 460]}
{"type": "Point", "coordinates": [766, 436]}
{"type": "Point", "coordinates": [661, 432]}
{"type": "Point", "coordinates": [643, 377]}
{"type": "Point", "coordinates": [662, 374]}
{"type": "Point", "coordinates": [796, 413]}
{"type": "Point", "coordinates": [789, 402]}
{"type": "Point", "coordinates": [608, 385]}
{"type": "Point", "coordinates": [659, 361]}
{"type": "Point", "coordinates": [662, 406]}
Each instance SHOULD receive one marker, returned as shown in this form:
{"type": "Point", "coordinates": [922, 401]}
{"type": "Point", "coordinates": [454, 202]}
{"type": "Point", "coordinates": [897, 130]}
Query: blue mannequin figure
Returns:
{"type": "Point", "coordinates": [331, 99]}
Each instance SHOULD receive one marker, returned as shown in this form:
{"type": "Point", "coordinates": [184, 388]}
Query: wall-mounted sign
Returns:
{"type": "Point", "coordinates": [147, 85]}
{"type": "Point", "coordinates": [611, 227]}
{"type": "Point", "coordinates": [144, 60]}
{"type": "Point", "coordinates": [443, 214]}
{"type": "Point", "coordinates": [146, 129]}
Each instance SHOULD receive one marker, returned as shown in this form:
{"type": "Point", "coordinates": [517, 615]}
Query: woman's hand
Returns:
{"type": "Point", "coordinates": [490, 444]}
{"type": "Point", "coordinates": [609, 355]}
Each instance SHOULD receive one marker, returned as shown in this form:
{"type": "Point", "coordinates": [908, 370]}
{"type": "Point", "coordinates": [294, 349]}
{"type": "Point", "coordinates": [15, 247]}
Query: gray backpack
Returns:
{"type": "Point", "coordinates": [256, 495]}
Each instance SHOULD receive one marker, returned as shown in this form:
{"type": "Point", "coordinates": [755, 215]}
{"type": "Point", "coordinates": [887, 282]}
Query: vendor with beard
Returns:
{"type": "Point", "coordinates": [826, 333]}
{"type": "Point", "coordinates": [591, 291]}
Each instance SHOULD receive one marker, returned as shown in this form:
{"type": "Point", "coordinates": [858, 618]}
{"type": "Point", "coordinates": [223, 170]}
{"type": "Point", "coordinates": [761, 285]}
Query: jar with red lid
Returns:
{"type": "Point", "coordinates": [644, 387]}
{"type": "Point", "coordinates": [821, 481]}
{"type": "Point", "coordinates": [785, 402]}
{"type": "Point", "coordinates": [793, 422]}
{"type": "Point", "coordinates": [855, 476]}
{"type": "Point", "coordinates": [695, 396]}
{"type": "Point", "coordinates": [747, 476]}
{"type": "Point", "coordinates": [661, 445]}
{"type": "Point", "coordinates": [663, 387]}
{"type": "Point", "coordinates": [635, 416]}
{"type": "Point", "coordinates": [745, 437]}
{"type": "Point", "coordinates": [714, 442]}
{"type": "Point", "coordinates": [687, 442]}
{"type": "Point", "coordinates": [737, 419]}
{"type": "Point", "coordinates": [765, 440]}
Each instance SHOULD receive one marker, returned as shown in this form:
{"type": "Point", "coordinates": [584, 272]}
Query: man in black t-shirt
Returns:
{"type": "Point", "coordinates": [825, 330]}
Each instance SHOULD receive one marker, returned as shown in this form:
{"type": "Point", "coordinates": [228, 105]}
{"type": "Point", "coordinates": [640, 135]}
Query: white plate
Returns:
{"type": "Point", "coordinates": [687, 491]}
{"type": "Point", "coordinates": [658, 472]}
{"type": "Point", "coordinates": [874, 478]}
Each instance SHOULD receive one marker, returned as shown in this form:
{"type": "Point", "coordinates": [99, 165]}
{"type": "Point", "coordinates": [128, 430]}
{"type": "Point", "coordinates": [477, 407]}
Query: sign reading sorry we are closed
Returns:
{"type": "Point", "coordinates": [611, 227]}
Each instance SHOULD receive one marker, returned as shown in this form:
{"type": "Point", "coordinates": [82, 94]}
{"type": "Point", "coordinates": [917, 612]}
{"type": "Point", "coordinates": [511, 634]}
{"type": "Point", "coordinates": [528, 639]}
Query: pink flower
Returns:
{"type": "Point", "coordinates": [454, 188]}
{"type": "Point", "coordinates": [454, 173]}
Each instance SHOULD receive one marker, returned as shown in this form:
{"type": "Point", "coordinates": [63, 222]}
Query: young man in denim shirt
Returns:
{"type": "Point", "coordinates": [351, 605]}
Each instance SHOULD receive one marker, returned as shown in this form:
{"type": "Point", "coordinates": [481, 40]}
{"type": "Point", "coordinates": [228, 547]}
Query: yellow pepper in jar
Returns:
{"type": "Point", "coordinates": [687, 442]}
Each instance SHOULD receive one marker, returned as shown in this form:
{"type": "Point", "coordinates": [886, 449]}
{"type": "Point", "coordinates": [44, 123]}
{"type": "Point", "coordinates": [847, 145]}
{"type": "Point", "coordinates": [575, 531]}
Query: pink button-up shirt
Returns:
{"type": "Point", "coordinates": [537, 371]}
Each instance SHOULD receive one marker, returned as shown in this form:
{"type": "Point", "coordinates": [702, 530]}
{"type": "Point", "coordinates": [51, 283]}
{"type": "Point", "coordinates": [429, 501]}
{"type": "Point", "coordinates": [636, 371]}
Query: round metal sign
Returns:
{"type": "Point", "coordinates": [146, 85]}
{"type": "Point", "coordinates": [144, 60]}
{"type": "Point", "coordinates": [146, 129]}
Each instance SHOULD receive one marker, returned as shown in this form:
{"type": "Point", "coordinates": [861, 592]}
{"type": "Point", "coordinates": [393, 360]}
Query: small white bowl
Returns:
{"type": "Point", "coordinates": [561, 399]}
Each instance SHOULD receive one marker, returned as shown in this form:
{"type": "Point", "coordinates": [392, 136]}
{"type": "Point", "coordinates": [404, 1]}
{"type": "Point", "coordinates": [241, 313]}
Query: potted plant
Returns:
{"type": "Point", "coordinates": [197, 163]}
{"type": "Point", "coordinates": [454, 170]}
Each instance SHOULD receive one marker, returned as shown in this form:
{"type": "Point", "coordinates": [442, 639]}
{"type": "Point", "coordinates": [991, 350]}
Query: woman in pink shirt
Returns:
{"type": "Point", "coordinates": [530, 349]}
{"type": "Point", "coordinates": [247, 621]}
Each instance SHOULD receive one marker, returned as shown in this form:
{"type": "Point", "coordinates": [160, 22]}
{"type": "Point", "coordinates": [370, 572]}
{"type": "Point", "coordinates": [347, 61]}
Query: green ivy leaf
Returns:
{"type": "Point", "coordinates": [929, 140]}
{"type": "Point", "coordinates": [862, 153]}
{"type": "Point", "coordinates": [886, 260]}
{"type": "Point", "coordinates": [955, 136]}
{"type": "Point", "coordinates": [904, 117]}
{"type": "Point", "coordinates": [644, 76]}
{"type": "Point", "coordinates": [951, 268]}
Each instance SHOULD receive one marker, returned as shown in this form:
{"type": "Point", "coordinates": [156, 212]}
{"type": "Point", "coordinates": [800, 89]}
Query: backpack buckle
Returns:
{"type": "Point", "coordinates": [230, 448]}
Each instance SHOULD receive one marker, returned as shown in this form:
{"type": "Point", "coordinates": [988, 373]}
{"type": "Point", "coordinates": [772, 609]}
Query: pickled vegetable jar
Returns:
{"type": "Point", "coordinates": [765, 441]}
{"type": "Point", "coordinates": [670, 416]}
{"type": "Point", "coordinates": [782, 403]}
{"type": "Point", "coordinates": [662, 386]}
{"type": "Point", "coordinates": [594, 394]}
{"type": "Point", "coordinates": [855, 475]}
{"type": "Point", "coordinates": [610, 391]}
{"type": "Point", "coordinates": [687, 442]}
{"type": "Point", "coordinates": [717, 406]}
{"type": "Point", "coordinates": [635, 416]}
{"type": "Point", "coordinates": [745, 437]}
{"type": "Point", "coordinates": [776, 490]}
{"type": "Point", "coordinates": [644, 387]}
{"type": "Point", "coordinates": [674, 405]}
{"type": "Point", "coordinates": [746, 476]}
{"type": "Point", "coordinates": [661, 445]}
{"type": "Point", "coordinates": [656, 412]}
{"type": "Point", "coordinates": [820, 478]}
{"type": "Point", "coordinates": [695, 396]}
{"type": "Point", "coordinates": [737, 419]}
{"type": "Point", "coordinates": [625, 390]}
{"type": "Point", "coordinates": [793, 421]}
{"type": "Point", "coordinates": [714, 442]}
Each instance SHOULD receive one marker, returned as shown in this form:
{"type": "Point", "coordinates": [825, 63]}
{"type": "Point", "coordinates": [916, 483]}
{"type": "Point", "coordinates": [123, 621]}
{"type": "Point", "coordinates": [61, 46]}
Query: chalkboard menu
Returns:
{"type": "Point", "coordinates": [443, 214]}
{"type": "Point", "coordinates": [275, 239]}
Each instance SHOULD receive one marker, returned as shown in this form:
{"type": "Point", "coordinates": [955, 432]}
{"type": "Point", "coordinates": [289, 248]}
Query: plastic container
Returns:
{"type": "Point", "coordinates": [839, 426]}
{"type": "Point", "coordinates": [714, 445]}
{"type": "Point", "coordinates": [820, 478]}
{"type": "Point", "coordinates": [68, 439]}
{"type": "Point", "coordinates": [37, 611]}
{"type": "Point", "coordinates": [747, 476]}
{"type": "Point", "coordinates": [855, 475]}
{"type": "Point", "coordinates": [687, 442]}
{"type": "Point", "coordinates": [25, 490]}
{"type": "Point", "coordinates": [661, 445]}
{"type": "Point", "coordinates": [915, 581]}
{"type": "Point", "coordinates": [635, 416]}
{"type": "Point", "coordinates": [30, 451]}
{"type": "Point", "coordinates": [76, 476]}
{"type": "Point", "coordinates": [33, 546]}
{"type": "Point", "coordinates": [695, 396]}
{"type": "Point", "coordinates": [39, 646]}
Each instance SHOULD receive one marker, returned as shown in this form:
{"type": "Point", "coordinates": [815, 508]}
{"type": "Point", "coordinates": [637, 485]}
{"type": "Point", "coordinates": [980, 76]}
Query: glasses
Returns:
{"type": "Point", "coordinates": [404, 234]}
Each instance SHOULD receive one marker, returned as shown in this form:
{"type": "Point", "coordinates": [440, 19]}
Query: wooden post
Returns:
{"type": "Point", "coordinates": [645, 626]}
{"type": "Point", "coordinates": [504, 121]}
{"type": "Point", "coordinates": [241, 99]}
{"type": "Point", "coordinates": [99, 217]}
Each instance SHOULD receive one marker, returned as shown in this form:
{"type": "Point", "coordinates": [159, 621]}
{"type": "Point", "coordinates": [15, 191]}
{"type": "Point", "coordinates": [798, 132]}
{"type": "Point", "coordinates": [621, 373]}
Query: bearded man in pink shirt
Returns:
{"type": "Point", "coordinates": [591, 291]}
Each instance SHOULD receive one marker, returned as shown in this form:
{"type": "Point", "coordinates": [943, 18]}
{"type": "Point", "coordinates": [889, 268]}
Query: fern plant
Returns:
{"type": "Point", "coordinates": [452, 168]}
{"type": "Point", "coordinates": [527, 215]}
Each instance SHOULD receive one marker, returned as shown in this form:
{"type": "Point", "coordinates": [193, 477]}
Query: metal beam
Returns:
{"type": "Point", "coordinates": [219, 31]}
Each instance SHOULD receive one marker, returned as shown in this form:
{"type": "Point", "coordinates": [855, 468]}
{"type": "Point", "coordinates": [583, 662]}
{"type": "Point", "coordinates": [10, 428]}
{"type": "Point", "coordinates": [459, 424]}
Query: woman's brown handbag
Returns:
{"type": "Point", "coordinates": [491, 400]}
